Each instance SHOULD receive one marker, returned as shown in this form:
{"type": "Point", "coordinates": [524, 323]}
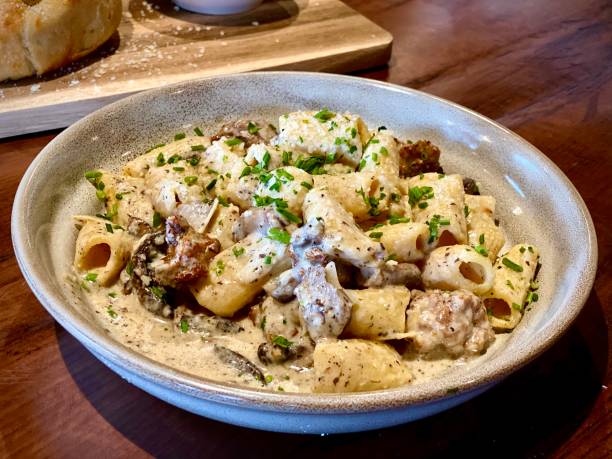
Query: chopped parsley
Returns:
{"type": "Point", "coordinates": [90, 277]}
{"type": "Point", "coordinates": [376, 235]}
{"type": "Point", "coordinates": [284, 174]}
{"type": "Point", "coordinates": [101, 195]}
{"type": "Point", "coordinates": [268, 260]}
{"type": "Point", "coordinates": [434, 226]}
{"type": "Point", "coordinates": [281, 341]}
{"type": "Point", "coordinates": [512, 265]}
{"type": "Point", "coordinates": [179, 136]}
{"type": "Point", "coordinates": [253, 128]}
{"type": "Point", "coordinates": [532, 297]}
{"type": "Point", "coordinates": [246, 171]}
{"type": "Point", "coordinates": [184, 325]}
{"type": "Point", "coordinates": [194, 160]}
{"type": "Point", "coordinates": [158, 291]}
{"type": "Point", "coordinates": [395, 219]}
{"type": "Point", "coordinates": [174, 159]}
{"type": "Point", "coordinates": [219, 267]}
{"type": "Point", "coordinates": [129, 268]}
{"type": "Point", "coordinates": [198, 132]}
{"type": "Point", "coordinates": [237, 251]}
{"type": "Point", "coordinates": [211, 184]}
{"type": "Point", "coordinates": [312, 165]}
{"type": "Point", "coordinates": [286, 158]}
{"type": "Point", "coordinates": [509, 284]}
{"type": "Point", "coordinates": [190, 180]}
{"type": "Point", "coordinates": [178, 169]}
{"type": "Point", "coordinates": [93, 176]}
{"type": "Point", "coordinates": [233, 142]}
{"type": "Point", "coordinates": [159, 145]}
{"type": "Point", "coordinates": [198, 148]}
{"type": "Point", "coordinates": [289, 216]}
{"type": "Point", "coordinates": [466, 211]}
{"type": "Point", "coordinates": [280, 235]}
{"type": "Point", "coordinates": [222, 201]}
{"type": "Point", "coordinates": [109, 228]}
{"type": "Point", "coordinates": [324, 115]}
{"type": "Point", "coordinates": [160, 160]}
{"type": "Point", "coordinates": [157, 219]}
{"type": "Point", "coordinates": [418, 193]}
{"type": "Point", "coordinates": [111, 312]}
{"type": "Point", "coordinates": [516, 306]}
{"type": "Point", "coordinates": [306, 185]}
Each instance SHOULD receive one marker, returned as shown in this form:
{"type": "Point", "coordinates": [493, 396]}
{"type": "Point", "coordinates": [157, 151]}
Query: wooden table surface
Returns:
{"type": "Point", "coordinates": [541, 68]}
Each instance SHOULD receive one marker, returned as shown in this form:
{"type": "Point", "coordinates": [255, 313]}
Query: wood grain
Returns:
{"type": "Point", "coordinates": [158, 45]}
{"type": "Point", "coordinates": [542, 69]}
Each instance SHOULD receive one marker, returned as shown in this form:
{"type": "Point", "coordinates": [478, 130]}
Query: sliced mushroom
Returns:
{"type": "Point", "coordinates": [239, 362]}
{"type": "Point", "coordinates": [206, 325]}
{"type": "Point", "coordinates": [141, 277]}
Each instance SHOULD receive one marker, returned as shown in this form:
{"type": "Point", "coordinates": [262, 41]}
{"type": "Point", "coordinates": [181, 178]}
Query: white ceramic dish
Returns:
{"type": "Point", "coordinates": [536, 202]}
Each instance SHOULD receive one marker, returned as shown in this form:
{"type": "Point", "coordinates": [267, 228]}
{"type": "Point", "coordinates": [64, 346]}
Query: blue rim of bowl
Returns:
{"type": "Point", "coordinates": [265, 400]}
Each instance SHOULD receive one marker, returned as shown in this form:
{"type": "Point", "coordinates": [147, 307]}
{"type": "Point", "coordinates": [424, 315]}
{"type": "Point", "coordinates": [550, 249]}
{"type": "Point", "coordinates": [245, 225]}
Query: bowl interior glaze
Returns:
{"type": "Point", "coordinates": [535, 202]}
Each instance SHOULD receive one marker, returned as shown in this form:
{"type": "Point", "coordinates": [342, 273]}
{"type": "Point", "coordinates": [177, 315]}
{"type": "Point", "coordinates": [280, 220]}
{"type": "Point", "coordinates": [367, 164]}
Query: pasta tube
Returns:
{"type": "Point", "coordinates": [514, 272]}
{"type": "Point", "coordinates": [238, 274]}
{"type": "Point", "coordinates": [101, 249]}
{"type": "Point", "coordinates": [438, 201]}
{"type": "Point", "coordinates": [354, 365]}
{"type": "Point", "coordinates": [404, 242]}
{"type": "Point", "coordinates": [378, 313]}
{"type": "Point", "coordinates": [323, 133]}
{"type": "Point", "coordinates": [457, 267]}
{"type": "Point", "coordinates": [481, 225]}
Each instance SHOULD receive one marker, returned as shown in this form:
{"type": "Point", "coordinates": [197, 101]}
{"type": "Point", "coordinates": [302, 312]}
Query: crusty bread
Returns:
{"type": "Point", "coordinates": [38, 36]}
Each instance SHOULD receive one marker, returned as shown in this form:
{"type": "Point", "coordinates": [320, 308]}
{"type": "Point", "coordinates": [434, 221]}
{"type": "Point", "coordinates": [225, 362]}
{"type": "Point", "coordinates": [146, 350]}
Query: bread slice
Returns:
{"type": "Point", "coordinates": [41, 36]}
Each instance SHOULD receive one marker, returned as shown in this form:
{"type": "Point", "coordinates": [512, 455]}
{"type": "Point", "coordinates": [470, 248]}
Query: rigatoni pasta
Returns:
{"type": "Point", "coordinates": [514, 272]}
{"type": "Point", "coordinates": [321, 255]}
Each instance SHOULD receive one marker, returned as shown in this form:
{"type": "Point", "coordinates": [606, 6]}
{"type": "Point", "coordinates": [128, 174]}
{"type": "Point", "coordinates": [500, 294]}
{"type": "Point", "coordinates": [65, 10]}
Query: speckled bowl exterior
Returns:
{"type": "Point", "coordinates": [535, 202]}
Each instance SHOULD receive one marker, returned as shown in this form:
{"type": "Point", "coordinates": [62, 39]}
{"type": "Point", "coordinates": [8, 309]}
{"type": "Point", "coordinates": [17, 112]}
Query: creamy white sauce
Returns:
{"type": "Point", "coordinates": [192, 352]}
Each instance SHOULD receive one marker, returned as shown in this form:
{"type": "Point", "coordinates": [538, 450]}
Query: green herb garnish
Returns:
{"type": "Point", "coordinates": [233, 142]}
{"type": "Point", "coordinates": [157, 219]}
{"type": "Point", "coordinates": [512, 265]}
{"type": "Point", "coordinates": [280, 235]}
{"type": "Point", "coordinates": [324, 115]}
{"type": "Point", "coordinates": [252, 128]}
{"type": "Point", "coordinates": [190, 180]}
{"type": "Point", "coordinates": [281, 341]}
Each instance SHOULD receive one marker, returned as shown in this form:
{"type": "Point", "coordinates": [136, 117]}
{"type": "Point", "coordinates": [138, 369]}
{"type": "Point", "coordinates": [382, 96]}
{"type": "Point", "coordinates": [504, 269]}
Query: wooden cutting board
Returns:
{"type": "Point", "coordinates": [158, 44]}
